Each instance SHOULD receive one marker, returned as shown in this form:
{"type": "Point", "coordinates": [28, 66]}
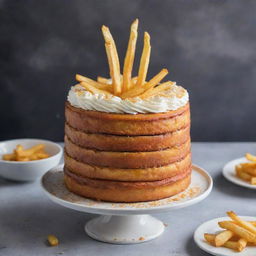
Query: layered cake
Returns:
{"type": "Point", "coordinates": [127, 139]}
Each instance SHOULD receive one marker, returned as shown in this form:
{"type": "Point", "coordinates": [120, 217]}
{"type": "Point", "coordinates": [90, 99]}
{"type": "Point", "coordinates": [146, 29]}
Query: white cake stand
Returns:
{"type": "Point", "coordinates": [125, 223]}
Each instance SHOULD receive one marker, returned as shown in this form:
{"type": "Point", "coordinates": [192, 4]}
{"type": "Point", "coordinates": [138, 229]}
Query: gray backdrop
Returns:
{"type": "Point", "coordinates": [207, 45]}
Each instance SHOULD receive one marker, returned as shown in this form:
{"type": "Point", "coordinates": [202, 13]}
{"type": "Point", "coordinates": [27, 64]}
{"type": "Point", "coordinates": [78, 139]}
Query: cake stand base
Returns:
{"type": "Point", "coordinates": [129, 229]}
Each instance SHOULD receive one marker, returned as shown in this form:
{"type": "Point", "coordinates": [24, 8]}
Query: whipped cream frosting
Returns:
{"type": "Point", "coordinates": [172, 99]}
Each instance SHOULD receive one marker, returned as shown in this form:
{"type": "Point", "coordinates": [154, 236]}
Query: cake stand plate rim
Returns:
{"type": "Point", "coordinates": [108, 208]}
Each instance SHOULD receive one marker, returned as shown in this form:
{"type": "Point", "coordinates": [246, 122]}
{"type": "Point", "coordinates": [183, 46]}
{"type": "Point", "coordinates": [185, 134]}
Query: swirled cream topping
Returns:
{"type": "Point", "coordinates": [171, 99]}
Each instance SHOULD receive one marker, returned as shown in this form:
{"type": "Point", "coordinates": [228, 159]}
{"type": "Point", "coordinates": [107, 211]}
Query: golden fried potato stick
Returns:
{"type": "Point", "coordinates": [238, 230]}
{"type": "Point", "coordinates": [241, 174]}
{"type": "Point", "coordinates": [241, 244]}
{"type": "Point", "coordinates": [253, 180]}
{"type": "Point", "coordinates": [52, 240]}
{"type": "Point", "coordinates": [104, 80]}
{"type": "Point", "coordinates": [232, 245]}
{"type": "Point", "coordinates": [210, 238]}
{"type": "Point", "coordinates": [20, 152]}
{"type": "Point", "coordinates": [134, 80]}
{"type": "Point", "coordinates": [250, 157]}
{"type": "Point", "coordinates": [245, 224]}
{"type": "Point", "coordinates": [94, 90]}
{"type": "Point", "coordinates": [156, 90]}
{"type": "Point", "coordinates": [129, 57]}
{"type": "Point", "coordinates": [113, 60]}
{"type": "Point", "coordinates": [9, 157]}
{"type": "Point", "coordinates": [223, 237]}
{"type": "Point", "coordinates": [144, 61]}
{"type": "Point", "coordinates": [98, 85]}
{"type": "Point", "coordinates": [136, 91]}
{"type": "Point", "coordinates": [249, 168]}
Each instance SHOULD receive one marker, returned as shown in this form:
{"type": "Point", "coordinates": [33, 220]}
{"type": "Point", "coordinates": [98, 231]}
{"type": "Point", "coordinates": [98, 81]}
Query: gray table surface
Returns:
{"type": "Point", "coordinates": [27, 216]}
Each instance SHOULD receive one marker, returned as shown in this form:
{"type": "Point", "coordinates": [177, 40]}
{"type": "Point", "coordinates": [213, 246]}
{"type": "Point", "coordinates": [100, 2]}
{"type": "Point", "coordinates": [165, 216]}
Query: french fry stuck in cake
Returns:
{"type": "Point", "coordinates": [113, 60]}
{"type": "Point", "coordinates": [129, 57]}
{"type": "Point", "coordinates": [237, 234]}
{"type": "Point", "coordinates": [36, 152]}
{"type": "Point", "coordinates": [144, 61]}
{"type": "Point", "coordinates": [247, 171]}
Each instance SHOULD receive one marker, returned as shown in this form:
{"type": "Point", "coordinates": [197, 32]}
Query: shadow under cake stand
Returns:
{"type": "Point", "coordinates": [125, 223]}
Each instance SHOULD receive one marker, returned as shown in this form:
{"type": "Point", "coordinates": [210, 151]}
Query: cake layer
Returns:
{"type": "Point", "coordinates": [107, 142]}
{"type": "Point", "coordinates": [115, 191]}
{"type": "Point", "coordinates": [125, 124]}
{"type": "Point", "coordinates": [107, 173]}
{"type": "Point", "coordinates": [127, 159]}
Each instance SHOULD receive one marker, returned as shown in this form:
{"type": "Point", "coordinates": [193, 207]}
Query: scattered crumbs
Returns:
{"type": "Point", "coordinates": [115, 239]}
{"type": "Point", "coordinates": [60, 253]}
{"type": "Point", "coordinates": [165, 224]}
{"type": "Point", "coordinates": [141, 238]}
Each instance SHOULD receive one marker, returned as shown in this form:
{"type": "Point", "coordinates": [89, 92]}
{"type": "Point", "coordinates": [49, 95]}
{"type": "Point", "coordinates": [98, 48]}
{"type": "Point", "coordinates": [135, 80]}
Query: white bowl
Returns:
{"type": "Point", "coordinates": [28, 170]}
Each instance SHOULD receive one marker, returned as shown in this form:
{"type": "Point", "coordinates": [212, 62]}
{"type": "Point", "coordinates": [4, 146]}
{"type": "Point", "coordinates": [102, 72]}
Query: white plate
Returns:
{"type": "Point", "coordinates": [125, 223]}
{"type": "Point", "coordinates": [229, 173]}
{"type": "Point", "coordinates": [53, 185]}
{"type": "Point", "coordinates": [212, 227]}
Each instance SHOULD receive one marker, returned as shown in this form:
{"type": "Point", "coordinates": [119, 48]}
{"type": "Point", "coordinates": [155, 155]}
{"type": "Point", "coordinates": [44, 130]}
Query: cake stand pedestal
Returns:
{"type": "Point", "coordinates": [125, 223]}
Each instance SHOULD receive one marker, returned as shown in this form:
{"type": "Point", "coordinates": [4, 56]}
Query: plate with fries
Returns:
{"type": "Point", "coordinates": [227, 236]}
{"type": "Point", "coordinates": [242, 171]}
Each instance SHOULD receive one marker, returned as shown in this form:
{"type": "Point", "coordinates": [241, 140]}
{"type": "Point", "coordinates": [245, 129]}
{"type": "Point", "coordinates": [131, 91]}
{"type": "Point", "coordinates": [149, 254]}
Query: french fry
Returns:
{"type": "Point", "coordinates": [144, 61]}
{"type": "Point", "coordinates": [53, 240]}
{"type": "Point", "coordinates": [245, 224]}
{"type": "Point", "coordinates": [210, 238]}
{"type": "Point", "coordinates": [223, 237]}
{"type": "Point", "coordinates": [28, 152]}
{"type": "Point", "coordinates": [104, 80]}
{"type": "Point", "coordinates": [134, 80]}
{"type": "Point", "coordinates": [253, 180]}
{"type": "Point", "coordinates": [241, 244]}
{"type": "Point", "coordinates": [20, 154]}
{"type": "Point", "coordinates": [87, 80]}
{"type": "Point", "coordinates": [156, 90]}
{"type": "Point", "coordinates": [9, 157]}
{"type": "Point", "coordinates": [249, 168]}
{"type": "Point", "coordinates": [113, 60]}
{"type": "Point", "coordinates": [94, 90]}
{"type": "Point", "coordinates": [250, 157]}
{"type": "Point", "coordinates": [241, 174]}
{"type": "Point", "coordinates": [232, 245]}
{"type": "Point", "coordinates": [129, 57]}
{"type": "Point", "coordinates": [136, 91]}
{"type": "Point", "coordinates": [253, 223]}
{"type": "Point", "coordinates": [238, 230]}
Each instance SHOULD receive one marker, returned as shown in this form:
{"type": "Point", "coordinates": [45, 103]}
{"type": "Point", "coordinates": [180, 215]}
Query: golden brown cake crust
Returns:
{"type": "Point", "coordinates": [129, 193]}
{"type": "Point", "coordinates": [108, 173]}
{"type": "Point", "coordinates": [107, 142]}
{"type": "Point", "coordinates": [126, 160]}
{"type": "Point", "coordinates": [125, 124]}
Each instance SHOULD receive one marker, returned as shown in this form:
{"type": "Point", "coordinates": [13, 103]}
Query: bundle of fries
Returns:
{"type": "Point", "coordinates": [247, 171]}
{"type": "Point", "coordinates": [36, 152]}
{"type": "Point", "coordinates": [237, 235]}
{"type": "Point", "coordinates": [126, 86]}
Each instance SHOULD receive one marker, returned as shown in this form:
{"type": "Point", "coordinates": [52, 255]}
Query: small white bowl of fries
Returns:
{"type": "Point", "coordinates": [228, 236]}
{"type": "Point", "coordinates": [28, 159]}
{"type": "Point", "coordinates": [242, 171]}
